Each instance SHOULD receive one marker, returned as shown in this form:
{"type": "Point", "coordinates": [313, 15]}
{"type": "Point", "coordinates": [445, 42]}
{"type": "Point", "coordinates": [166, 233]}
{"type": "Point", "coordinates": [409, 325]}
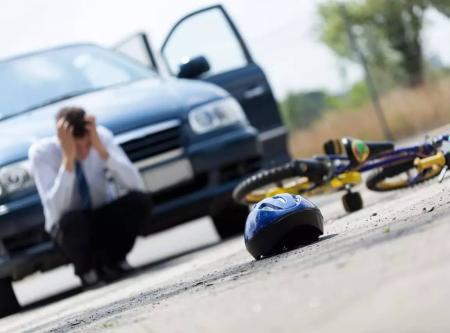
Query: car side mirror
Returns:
{"type": "Point", "coordinates": [193, 68]}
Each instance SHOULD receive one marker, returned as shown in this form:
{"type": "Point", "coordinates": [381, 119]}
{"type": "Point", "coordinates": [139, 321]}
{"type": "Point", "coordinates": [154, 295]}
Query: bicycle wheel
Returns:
{"type": "Point", "coordinates": [400, 176]}
{"type": "Point", "coordinates": [294, 177]}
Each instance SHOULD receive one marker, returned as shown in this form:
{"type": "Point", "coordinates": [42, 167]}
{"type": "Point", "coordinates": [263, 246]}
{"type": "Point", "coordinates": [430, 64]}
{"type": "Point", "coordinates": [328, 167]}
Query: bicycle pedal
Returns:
{"type": "Point", "coordinates": [443, 173]}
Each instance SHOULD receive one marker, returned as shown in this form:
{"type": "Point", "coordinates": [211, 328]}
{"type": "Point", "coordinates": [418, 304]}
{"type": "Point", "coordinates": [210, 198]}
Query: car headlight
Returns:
{"type": "Point", "coordinates": [216, 114]}
{"type": "Point", "coordinates": [15, 178]}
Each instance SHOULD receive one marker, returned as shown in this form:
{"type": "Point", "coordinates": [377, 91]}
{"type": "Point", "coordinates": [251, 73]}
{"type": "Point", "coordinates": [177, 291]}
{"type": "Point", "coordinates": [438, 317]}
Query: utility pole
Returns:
{"type": "Point", "coordinates": [368, 75]}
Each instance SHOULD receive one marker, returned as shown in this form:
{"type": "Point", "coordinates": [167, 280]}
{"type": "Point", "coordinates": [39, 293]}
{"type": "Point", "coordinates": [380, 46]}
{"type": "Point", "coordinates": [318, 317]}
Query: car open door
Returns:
{"type": "Point", "coordinates": [138, 47]}
{"type": "Point", "coordinates": [206, 45]}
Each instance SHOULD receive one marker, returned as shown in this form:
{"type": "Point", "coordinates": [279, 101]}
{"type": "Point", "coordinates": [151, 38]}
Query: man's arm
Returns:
{"type": "Point", "coordinates": [55, 186]}
{"type": "Point", "coordinates": [123, 170]}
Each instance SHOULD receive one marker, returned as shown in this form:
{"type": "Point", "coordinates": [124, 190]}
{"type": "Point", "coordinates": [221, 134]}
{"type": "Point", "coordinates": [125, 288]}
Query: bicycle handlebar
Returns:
{"type": "Point", "coordinates": [440, 139]}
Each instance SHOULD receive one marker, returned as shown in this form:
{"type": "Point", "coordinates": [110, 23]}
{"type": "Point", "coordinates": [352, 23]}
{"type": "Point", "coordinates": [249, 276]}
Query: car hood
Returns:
{"type": "Point", "coordinates": [121, 108]}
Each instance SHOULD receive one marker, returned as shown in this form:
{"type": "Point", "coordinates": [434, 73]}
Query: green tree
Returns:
{"type": "Point", "coordinates": [388, 31]}
{"type": "Point", "coordinates": [300, 110]}
{"type": "Point", "coordinates": [441, 5]}
{"type": "Point", "coordinates": [357, 96]}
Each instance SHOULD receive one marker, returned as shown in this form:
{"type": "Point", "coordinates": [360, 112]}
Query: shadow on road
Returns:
{"type": "Point", "coordinates": [152, 266]}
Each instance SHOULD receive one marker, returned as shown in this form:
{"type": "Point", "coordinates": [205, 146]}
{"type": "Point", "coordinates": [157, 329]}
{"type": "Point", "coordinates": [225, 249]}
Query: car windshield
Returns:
{"type": "Point", "coordinates": [39, 79]}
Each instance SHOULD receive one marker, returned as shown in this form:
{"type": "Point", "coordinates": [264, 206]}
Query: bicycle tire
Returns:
{"type": "Point", "coordinates": [314, 170]}
{"type": "Point", "coordinates": [373, 181]}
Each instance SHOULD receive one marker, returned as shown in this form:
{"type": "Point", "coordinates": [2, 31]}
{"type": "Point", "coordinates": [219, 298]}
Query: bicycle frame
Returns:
{"type": "Point", "coordinates": [393, 157]}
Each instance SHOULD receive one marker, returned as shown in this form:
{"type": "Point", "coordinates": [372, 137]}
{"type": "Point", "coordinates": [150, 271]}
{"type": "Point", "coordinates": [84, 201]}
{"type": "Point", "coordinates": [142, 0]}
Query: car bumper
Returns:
{"type": "Point", "coordinates": [22, 214]}
{"type": "Point", "coordinates": [42, 256]}
{"type": "Point", "coordinates": [219, 164]}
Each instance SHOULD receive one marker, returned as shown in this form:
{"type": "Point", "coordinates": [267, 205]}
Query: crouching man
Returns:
{"type": "Point", "coordinates": [94, 228]}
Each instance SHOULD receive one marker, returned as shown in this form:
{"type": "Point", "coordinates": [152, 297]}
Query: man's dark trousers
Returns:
{"type": "Point", "coordinates": [102, 236]}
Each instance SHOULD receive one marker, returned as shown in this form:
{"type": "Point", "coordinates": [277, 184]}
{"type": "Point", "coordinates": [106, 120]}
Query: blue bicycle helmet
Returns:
{"type": "Point", "coordinates": [281, 222]}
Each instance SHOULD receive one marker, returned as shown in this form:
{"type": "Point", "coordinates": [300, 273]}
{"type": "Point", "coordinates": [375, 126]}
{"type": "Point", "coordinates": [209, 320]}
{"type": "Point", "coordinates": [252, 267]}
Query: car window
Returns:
{"type": "Point", "coordinates": [205, 34]}
{"type": "Point", "coordinates": [137, 47]}
{"type": "Point", "coordinates": [36, 79]}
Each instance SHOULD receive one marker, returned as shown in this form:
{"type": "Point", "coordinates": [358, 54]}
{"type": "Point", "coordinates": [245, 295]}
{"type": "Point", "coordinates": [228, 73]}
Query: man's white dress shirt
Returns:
{"type": "Point", "coordinates": [57, 186]}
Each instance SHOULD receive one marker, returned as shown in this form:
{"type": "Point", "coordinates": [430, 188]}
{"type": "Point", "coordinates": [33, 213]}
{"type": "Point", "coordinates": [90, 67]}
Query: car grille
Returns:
{"type": "Point", "coordinates": [153, 144]}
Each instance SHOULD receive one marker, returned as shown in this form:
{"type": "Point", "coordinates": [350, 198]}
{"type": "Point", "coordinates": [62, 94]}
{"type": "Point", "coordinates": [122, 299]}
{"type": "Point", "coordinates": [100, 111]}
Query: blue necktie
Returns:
{"type": "Point", "coordinates": [83, 187]}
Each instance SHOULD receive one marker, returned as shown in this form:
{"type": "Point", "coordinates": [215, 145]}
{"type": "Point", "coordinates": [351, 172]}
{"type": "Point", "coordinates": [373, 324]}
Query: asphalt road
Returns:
{"type": "Point", "coordinates": [384, 268]}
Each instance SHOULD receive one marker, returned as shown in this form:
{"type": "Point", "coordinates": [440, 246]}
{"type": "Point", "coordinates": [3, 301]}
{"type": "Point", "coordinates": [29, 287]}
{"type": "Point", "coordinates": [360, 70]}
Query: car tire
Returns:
{"type": "Point", "coordinates": [230, 221]}
{"type": "Point", "coordinates": [8, 299]}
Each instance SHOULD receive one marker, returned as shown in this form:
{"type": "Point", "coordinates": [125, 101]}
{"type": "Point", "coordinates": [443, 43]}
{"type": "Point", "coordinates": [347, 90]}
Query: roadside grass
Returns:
{"type": "Point", "coordinates": [408, 112]}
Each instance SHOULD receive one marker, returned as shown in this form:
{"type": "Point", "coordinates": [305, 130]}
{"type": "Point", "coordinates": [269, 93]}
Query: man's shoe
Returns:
{"type": "Point", "coordinates": [112, 272]}
{"type": "Point", "coordinates": [124, 267]}
{"type": "Point", "coordinates": [90, 279]}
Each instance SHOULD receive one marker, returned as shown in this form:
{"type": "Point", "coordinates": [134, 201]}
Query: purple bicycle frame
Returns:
{"type": "Point", "coordinates": [385, 159]}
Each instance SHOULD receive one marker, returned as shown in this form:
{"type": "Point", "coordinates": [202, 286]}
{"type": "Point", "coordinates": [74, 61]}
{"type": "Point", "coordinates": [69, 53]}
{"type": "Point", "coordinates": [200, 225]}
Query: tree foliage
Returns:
{"type": "Point", "coordinates": [300, 110]}
{"type": "Point", "coordinates": [388, 32]}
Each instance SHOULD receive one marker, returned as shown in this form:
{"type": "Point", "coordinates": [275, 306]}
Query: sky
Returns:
{"type": "Point", "coordinates": [282, 35]}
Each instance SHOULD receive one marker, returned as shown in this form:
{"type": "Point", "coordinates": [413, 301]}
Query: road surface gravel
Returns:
{"type": "Point", "coordinates": [384, 268]}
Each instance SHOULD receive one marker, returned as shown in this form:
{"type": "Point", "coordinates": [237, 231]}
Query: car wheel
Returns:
{"type": "Point", "coordinates": [8, 300]}
{"type": "Point", "coordinates": [230, 221]}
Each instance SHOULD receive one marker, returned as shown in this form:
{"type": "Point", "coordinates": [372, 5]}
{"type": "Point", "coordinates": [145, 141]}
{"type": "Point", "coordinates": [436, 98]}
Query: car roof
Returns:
{"type": "Point", "coordinates": [32, 53]}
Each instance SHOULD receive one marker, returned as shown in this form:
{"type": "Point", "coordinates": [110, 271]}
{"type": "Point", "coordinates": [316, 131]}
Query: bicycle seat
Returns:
{"type": "Point", "coordinates": [357, 151]}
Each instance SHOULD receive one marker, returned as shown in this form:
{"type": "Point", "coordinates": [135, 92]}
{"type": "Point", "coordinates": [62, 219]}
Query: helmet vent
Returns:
{"type": "Point", "coordinates": [280, 198]}
{"type": "Point", "coordinates": [268, 206]}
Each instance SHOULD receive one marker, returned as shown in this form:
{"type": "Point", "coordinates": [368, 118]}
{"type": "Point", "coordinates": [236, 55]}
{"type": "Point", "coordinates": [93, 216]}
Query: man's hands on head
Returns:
{"type": "Point", "coordinates": [67, 140]}
{"type": "Point", "coordinates": [91, 127]}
